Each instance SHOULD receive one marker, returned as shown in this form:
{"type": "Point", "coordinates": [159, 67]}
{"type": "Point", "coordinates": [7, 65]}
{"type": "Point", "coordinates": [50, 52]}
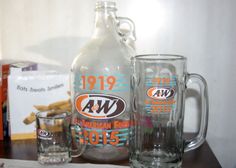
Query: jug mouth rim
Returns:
{"type": "Point", "coordinates": [102, 5]}
{"type": "Point", "coordinates": [156, 57]}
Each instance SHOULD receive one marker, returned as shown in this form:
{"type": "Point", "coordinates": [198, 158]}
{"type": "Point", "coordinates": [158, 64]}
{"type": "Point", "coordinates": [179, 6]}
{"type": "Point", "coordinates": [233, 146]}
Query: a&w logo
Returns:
{"type": "Point", "coordinates": [160, 93]}
{"type": "Point", "coordinates": [99, 106]}
{"type": "Point", "coordinates": [43, 134]}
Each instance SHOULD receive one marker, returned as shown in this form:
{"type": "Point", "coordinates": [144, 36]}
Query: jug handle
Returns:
{"type": "Point", "coordinates": [201, 136]}
{"type": "Point", "coordinates": [128, 35]}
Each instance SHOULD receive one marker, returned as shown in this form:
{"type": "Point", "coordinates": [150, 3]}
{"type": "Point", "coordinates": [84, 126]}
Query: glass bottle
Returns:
{"type": "Point", "coordinates": [100, 86]}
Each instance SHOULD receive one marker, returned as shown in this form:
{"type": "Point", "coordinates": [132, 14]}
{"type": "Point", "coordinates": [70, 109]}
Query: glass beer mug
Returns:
{"type": "Point", "coordinates": [159, 83]}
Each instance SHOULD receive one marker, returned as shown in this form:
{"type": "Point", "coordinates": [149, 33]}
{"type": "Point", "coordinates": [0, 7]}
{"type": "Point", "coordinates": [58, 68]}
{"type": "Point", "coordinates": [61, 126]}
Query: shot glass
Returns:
{"type": "Point", "coordinates": [57, 139]}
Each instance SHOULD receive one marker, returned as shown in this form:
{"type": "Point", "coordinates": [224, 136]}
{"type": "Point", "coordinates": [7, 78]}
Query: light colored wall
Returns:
{"type": "Point", "coordinates": [52, 31]}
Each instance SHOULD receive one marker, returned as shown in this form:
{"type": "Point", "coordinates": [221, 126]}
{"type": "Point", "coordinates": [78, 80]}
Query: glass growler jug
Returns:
{"type": "Point", "coordinates": [100, 86]}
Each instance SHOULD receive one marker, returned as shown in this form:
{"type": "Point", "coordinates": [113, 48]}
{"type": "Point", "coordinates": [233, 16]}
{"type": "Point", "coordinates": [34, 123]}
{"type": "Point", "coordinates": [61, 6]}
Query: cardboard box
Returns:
{"type": "Point", "coordinates": [27, 89]}
{"type": "Point", "coordinates": [5, 67]}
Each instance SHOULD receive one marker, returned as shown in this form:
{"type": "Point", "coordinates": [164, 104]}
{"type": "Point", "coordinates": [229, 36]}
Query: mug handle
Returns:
{"type": "Point", "coordinates": [201, 136]}
{"type": "Point", "coordinates": [77, 140]}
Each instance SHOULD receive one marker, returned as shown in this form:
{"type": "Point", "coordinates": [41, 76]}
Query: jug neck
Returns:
{"type": "Point", "coordinates": [105, 19]}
